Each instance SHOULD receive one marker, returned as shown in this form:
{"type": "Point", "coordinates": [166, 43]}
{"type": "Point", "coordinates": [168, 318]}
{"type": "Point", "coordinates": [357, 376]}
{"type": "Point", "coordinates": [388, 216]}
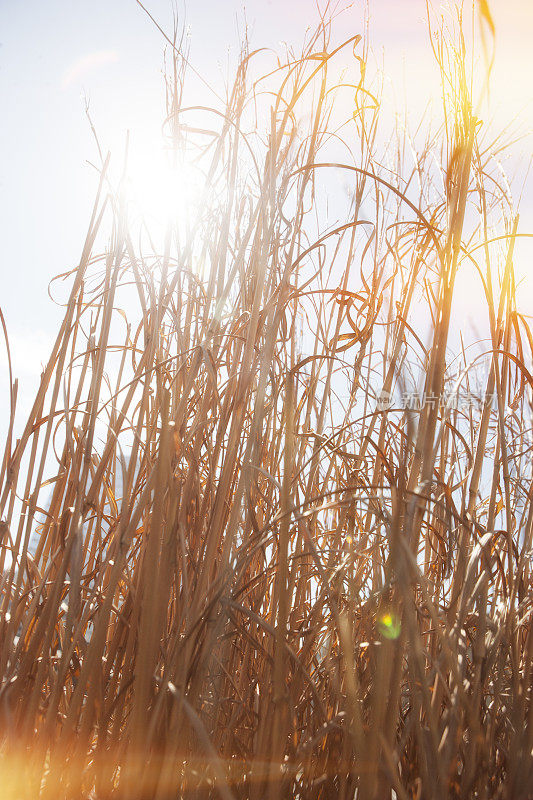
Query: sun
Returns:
{"type": "Point", "coordinates": [164, 187]}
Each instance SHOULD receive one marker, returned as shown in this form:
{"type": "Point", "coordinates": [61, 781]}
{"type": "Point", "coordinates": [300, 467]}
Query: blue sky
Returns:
{"type": "Point", "coordinates": [54, 53]}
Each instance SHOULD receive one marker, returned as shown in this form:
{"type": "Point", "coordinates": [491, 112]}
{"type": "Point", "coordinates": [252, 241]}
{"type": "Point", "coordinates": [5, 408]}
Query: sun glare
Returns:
{"type": "Point", "coordinates": [163, 187]}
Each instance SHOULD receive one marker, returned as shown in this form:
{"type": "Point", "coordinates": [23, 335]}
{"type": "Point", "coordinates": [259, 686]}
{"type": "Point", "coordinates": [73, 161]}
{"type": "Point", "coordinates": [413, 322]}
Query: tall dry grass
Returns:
{"type": "Point", "coordinates": [231, 569]}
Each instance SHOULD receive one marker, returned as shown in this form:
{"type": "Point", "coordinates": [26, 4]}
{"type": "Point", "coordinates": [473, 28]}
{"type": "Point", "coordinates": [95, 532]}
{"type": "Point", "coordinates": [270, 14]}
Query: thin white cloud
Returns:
{"type": "Point", "coordinates": [80, 68]}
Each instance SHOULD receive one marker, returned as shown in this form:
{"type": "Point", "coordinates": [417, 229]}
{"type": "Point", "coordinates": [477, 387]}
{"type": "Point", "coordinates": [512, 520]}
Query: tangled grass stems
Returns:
{"type": "Point", "coordinates": [227, 570]}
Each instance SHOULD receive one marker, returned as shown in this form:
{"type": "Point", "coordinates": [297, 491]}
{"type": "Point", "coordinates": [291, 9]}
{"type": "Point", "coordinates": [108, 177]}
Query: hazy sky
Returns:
{"type": "Point", "coordinates": [53, 53]}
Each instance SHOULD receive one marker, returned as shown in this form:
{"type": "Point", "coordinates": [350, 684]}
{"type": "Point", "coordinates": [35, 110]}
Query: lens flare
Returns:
{"type": "Point", "coordinates": [389, 625]}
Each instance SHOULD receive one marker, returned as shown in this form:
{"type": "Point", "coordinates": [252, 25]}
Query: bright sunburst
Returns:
{"type": "Point", "coordinates": [164, 187]}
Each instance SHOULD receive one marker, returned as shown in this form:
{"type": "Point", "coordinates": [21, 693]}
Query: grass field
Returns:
{"type": "Point", "coordinates": [267, 530]}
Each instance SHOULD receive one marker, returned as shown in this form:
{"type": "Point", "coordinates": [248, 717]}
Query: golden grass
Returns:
{"type": "Point", "coordinates": [228, 572]}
